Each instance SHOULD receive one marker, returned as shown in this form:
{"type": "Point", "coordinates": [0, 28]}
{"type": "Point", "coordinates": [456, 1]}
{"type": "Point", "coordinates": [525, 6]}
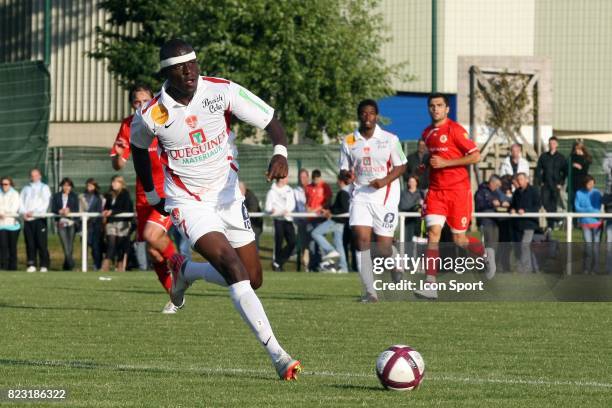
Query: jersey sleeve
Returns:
{"type": "Point", "coordinates": [462, 140]}
{"type": "Point", "coordinates": [398, 158]}
{"type": "Point", "coordinates": [122, 140]}
{"type": "Point", "coordinates": [344, 163]}
{"type": "Point", "coordinates": [140, 134]}
{"type": "Point", "coordinates": [248, 107]}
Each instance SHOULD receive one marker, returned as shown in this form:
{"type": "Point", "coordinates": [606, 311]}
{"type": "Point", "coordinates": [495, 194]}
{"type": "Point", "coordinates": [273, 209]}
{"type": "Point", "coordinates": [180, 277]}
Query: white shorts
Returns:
{"type": "Point", "coordinates": [195, 219]}
{"type": "Point", "coordinates": [382, 218]}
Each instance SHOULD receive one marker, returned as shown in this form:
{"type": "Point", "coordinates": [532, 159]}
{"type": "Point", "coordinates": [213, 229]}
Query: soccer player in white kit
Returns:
{"type": "Point", "coordinates": [376, 159]}
{"type": "Point", "coordinates": [190, 117]}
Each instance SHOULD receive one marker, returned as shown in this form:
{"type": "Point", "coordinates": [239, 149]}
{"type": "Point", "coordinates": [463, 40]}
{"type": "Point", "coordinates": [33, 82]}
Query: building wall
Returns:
{"type": "Point", "coordinates": [482, 28]}
{"type": "Point", "coordinates": [577, 36]}
{"type": "Point", "coordinates": [409, 27]}
{"type": "Point", "coordinates": [82, 89]}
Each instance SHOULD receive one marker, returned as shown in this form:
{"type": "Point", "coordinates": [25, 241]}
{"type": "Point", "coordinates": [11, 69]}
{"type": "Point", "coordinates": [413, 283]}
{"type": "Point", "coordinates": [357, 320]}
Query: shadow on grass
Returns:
{"type": "Point", "coordinates": [356, 387]}
{"type": "Point", "coordinates": [92, 365]}
{"type": "Point", "coordinates": [79, 309]}
{"type": "Point", "coordinates": [223, 294]}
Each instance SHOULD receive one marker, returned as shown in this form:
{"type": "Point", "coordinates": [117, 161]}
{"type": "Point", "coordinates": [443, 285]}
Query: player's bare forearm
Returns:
{"type": "Point", "coordinates": [142, 166]}
{"type": "Point", "coordinates": [278, 168]}
{"type": "Point", "coordinates": [395, 173]}
{"type": "Point", "coordinates": [438, 162]}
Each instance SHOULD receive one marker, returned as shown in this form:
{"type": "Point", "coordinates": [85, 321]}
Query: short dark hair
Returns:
{"type": "Point", "coordinates": [367, 102]}
{"type": "Point", "coordinates": [344, 176]}
{"type": "Point", "coordinates": [553, 138]}
{"type": "Point", "coordinates": [315, 173]}
{"type": "Point", "coordinates": [139, 87]}
{"type": "Point", "coordinates": [93, 182]}
{"type": "Point", "coordinates": [66, 180]}
{"type": "Point", "coordinates": [586, 179]}
{"type": "Point", "coordinates": [438, 95]}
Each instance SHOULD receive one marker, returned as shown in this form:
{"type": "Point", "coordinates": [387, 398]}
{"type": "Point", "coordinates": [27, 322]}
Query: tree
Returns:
{"type": "Point", "coordinates": [311, 60]}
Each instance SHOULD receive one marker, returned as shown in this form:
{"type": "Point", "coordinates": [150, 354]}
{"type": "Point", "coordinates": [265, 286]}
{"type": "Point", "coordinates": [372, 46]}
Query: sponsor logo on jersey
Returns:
{"type": "Point", "coordinates": [198, 153]}
{"type": "Point", "coordinates": [191, 121]}
{"type": "Point", "coordinates": [197, 137]}
{"type": "Point", "coordinates": [443, 139]}
{"type": "Point", "coordinates": [350, 140]}
{"type": "Point", "coordinates": [213, 104]}
{"type": "Point", "coordinates": [367, 161]}
{"type": "Point", "coordinates": [366, 150]}
{"type": "Point", "coordinates": [159, 114]}
{"type": "Point", "coordinates": [382, 144]}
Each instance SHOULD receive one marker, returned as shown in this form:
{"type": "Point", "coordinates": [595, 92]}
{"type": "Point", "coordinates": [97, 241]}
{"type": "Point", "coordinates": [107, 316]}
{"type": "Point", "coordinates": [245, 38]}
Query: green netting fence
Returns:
{"type": "Point", "coordinates": [24, 118]}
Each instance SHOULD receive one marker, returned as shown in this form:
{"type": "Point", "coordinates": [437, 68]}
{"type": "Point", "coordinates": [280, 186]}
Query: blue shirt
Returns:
{"type": "Point", "coordinates": [588, 202]}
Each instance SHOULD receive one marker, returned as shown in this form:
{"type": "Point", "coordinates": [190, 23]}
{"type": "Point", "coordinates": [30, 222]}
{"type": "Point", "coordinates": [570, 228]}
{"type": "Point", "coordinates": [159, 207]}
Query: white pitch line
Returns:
{"type": "Point", "coordinates": [222, 370]}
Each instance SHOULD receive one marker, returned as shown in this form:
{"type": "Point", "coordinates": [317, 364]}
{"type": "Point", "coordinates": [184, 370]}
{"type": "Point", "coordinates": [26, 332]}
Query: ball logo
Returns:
{"type": "Point", "coordinates": [159, 114]}
{"type": "Point", "coordinates": [389, 217]}
{"type": "Point", "coordinates": [443, 139]}
{"type": "Point", "coordinates": [366, 150]}
{"type": "Point", "coordinates": [245, 217]}
{"type": "Point", "coordinates": [463, 221]}
{"type": "Point", "coordinates": [191, 121]}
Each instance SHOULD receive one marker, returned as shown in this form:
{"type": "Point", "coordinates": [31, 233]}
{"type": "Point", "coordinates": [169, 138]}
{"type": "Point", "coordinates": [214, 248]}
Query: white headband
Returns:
{"type": "Point", "coordinates": [177, 60]}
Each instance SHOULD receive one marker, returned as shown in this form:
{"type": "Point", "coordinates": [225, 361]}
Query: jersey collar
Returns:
{"type": "Point", "coordinates": [166, 100]}
{"type": "Point", "coordinates": [377, 134]}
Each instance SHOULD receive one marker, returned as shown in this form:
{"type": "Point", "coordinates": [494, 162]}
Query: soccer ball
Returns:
{"type": "Point", "coordinates": [400, 368]}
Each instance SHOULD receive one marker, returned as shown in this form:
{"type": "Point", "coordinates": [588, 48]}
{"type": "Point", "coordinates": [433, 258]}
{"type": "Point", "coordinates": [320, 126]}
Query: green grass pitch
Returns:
{"type": "Point", "coordinates": [107, 343]}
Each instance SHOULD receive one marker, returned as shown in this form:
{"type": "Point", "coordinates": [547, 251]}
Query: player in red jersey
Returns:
{"type": "Point", "coordinates": [152, 226]}
{"type": "Point", "coordinates": [449, 199]}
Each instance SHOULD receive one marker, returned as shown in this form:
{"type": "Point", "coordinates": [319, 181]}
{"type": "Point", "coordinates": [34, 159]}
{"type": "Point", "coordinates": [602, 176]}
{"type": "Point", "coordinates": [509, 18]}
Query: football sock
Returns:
{"type": "Point", "coordinates": [203, 270]}
{"type": "Point", "coordinates": [250, 308]}
{"type": "Point", "coordinates": [475, 247]}
{"type": "Point", "coordinates": [161, 268]}
{"type": "Point", "coordinates": [431, 269]}
{"type": "Point", "coordinates": [364, 266]}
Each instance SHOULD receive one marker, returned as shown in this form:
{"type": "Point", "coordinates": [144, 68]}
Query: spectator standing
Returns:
{"type": "Point", "coordinates": [335, 225]}
{"type": "Point", "coordinates": [318, 197]}
{"type": "Point", "coordinates": [34, 202]}
{"type": "Point", "coordinates": [417, 166]}
{"type": "Point", "coordinates": [580, 160]}
{"type": "Point", "coordinates": [280, 201]}
{"type": "Point", "coordinates": [9, 224]}
{"type": "Point", "coordinates": [607, 169]}
{"type": "Point", "coordinates": [490, 198]}
{"type": "Point", "coordinates": [252, 205]}
{"type": "Point", "coordinates": [607, 203]}
{"type": "Point", "coordinates": [63, 203]}
{"type": "Point", "coordinates": [303, 235]}
{"type": "Point", "coordinates": [411, 200]}
{"type": "Point", "coordinates": [525, 200]}
{"type": "Point", "coordinates": [91, 201]}
{"type": "Point", "coordinates": [550, 175]}
{"type": "Point", "coordinates": [515, 163]}
{"type": "Point", "coordinates": [588, 200]}
{"type": "Point", "coordinates": [117, 229]}
{"type": "Point", "coordinates": [505, 225]}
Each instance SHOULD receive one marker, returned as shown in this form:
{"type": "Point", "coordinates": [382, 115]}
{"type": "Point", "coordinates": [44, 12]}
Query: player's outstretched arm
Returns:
{"type": "Point", "coordinates": [278, 168]}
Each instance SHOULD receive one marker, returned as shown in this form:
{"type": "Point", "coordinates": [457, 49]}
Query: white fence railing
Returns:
{"type": "Point", "coordinates": [569, 217]}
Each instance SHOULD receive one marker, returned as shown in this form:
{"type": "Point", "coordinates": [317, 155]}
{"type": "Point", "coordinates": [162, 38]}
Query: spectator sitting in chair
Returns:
{"type": "Point", "coordinates": [336, 225]}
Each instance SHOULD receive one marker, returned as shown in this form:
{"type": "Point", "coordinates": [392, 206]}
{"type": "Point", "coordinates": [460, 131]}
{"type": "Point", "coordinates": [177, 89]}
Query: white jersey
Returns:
{"type": "Point", "coordinates": [194, 140]}
{"type": "Point", "coordinates": [371, 159]}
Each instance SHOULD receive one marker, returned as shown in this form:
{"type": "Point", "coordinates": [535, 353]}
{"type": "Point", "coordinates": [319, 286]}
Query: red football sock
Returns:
{"type": "Point", "coordinates": [475, 246]}
{"type": "Point", "coordinates": [161, 268]}
{"type": "Point", "coordinates": [430, 262]}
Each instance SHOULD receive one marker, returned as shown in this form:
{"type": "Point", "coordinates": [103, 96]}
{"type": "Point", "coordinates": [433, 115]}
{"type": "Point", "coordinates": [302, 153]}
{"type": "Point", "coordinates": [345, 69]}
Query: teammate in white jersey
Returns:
{"type": "Point", "coordinates": [376, 159]}
{"type": "Point", "coordinates": [191, 119]}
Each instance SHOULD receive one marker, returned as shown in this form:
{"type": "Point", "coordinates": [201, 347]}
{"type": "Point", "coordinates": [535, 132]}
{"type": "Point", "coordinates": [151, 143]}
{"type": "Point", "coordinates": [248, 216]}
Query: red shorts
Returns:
{"type": "Point", "coordinates": [145, 214]}
{"type": "Point", "coordinates": [451, 206]}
